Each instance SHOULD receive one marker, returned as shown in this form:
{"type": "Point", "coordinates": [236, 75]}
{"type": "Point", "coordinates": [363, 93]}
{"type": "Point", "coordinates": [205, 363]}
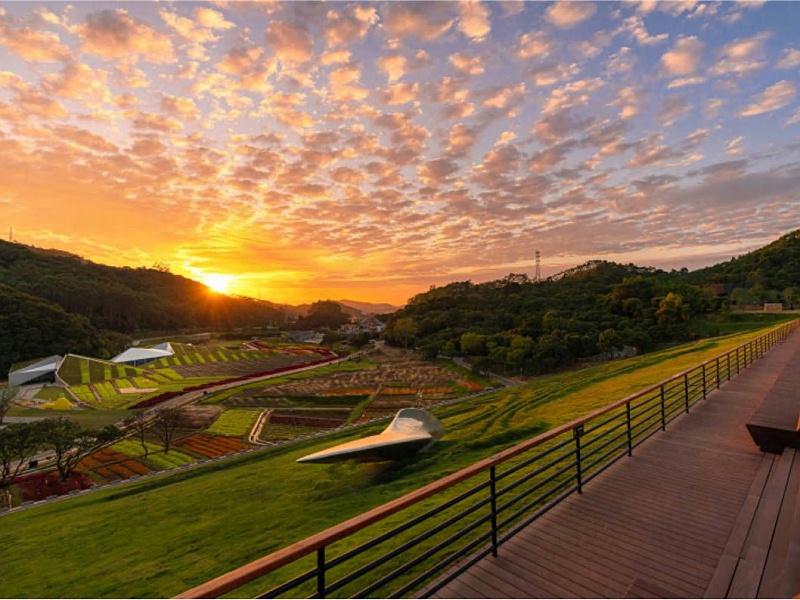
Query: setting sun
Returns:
{"type": "Point", "coordinates": [217, 282]}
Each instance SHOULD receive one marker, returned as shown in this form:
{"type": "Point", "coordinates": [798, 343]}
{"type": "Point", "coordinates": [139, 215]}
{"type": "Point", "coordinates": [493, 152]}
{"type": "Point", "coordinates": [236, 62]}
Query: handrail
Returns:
{"type": "Point", "coordinates": [689, 394]}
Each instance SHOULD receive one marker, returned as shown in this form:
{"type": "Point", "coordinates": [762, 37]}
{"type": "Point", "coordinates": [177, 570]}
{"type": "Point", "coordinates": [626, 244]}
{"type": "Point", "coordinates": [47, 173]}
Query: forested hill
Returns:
{"type": "Point", "coordinates": [56, 302]}
{"type": "Point", "coordinates": [773, 268]}
{"type": "Point", "coordinates": [518, 325]}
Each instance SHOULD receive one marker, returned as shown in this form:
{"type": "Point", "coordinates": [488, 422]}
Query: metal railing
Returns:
{"type": "Point", "coordinates": [465, 516]}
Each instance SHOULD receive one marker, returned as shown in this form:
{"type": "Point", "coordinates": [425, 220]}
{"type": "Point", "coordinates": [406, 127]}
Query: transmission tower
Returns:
{"type": "Point", "coordinates": [537, 274]}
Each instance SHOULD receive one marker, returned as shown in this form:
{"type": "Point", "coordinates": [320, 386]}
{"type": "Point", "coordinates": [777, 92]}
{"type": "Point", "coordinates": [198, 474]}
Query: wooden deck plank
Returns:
{"type": "Point", "coordinates": [721, 580]}
{"type": "Point", "coordinates": [630, 533]}
{"type": "Point", "coordinates": [616, 552]}
{"type": "Point", "coordinates": [778, 567]}
{"type": "Point", "coordinates": [647, 534]}
{"type": "Point", "coordinates": [623, 565]}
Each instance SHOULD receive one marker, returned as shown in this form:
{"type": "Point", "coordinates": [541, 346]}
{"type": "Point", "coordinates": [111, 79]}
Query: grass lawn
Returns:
{"type": "Point", "coordinates": [157, 538]}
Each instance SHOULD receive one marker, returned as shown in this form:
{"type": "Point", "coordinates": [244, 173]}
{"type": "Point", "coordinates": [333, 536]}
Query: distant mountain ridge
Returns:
{"type": "Point", "coordinates": [369, 307]}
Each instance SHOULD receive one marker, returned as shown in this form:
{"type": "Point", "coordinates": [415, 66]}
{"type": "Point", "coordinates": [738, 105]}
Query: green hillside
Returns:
{"type": "Point", "coordinates": [769, 274]}
{"type": "Point", "coordinates": [160, 537]}
{"type": "Point", "coordinates": [55, 303]}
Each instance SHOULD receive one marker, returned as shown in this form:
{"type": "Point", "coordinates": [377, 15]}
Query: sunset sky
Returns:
{"type": "Point", "coordinates": [303, 150]}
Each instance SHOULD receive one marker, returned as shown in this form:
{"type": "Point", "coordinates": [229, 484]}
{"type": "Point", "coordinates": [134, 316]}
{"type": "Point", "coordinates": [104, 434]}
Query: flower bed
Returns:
{"type": "Point", "coordinates": [111, 464]}
{"type": "Point", "coordinates": [211, 446]}
{"type": "Point", "coordinates": [307, 422]}
{"type": "Point", "coordinates": [43, 485]}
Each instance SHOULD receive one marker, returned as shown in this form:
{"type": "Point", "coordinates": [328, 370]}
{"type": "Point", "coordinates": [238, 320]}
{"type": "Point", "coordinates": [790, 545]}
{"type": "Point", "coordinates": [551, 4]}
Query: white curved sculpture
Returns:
{"type": "Point", "coordinates": [412, 430]}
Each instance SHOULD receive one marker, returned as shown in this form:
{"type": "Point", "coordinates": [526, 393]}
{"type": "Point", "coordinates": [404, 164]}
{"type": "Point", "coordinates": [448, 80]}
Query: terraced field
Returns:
{"type": "Point", "coordinates": [108, 385]}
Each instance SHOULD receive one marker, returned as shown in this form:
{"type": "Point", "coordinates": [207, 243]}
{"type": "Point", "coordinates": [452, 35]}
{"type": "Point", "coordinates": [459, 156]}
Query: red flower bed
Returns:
{"type": "Point", "coordinates": [211, 445]}
{"type": "Point", "coordinates": [126, 469]}
{"type": "Point", "coordinates": [317, 422]}
{"type": "Point", "coordinates": [43, 485]}
{"type": "Point", "coordinates": [111, 464]}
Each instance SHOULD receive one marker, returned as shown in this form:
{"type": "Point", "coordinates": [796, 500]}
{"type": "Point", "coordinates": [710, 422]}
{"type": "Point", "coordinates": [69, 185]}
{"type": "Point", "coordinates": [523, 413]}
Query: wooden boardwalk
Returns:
{"type": "Point", "coordinates": [698, 511]}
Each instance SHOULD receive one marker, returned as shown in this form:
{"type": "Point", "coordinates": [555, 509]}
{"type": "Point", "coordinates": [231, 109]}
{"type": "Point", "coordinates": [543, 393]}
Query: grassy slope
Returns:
{"type": "Point", "coordinates": [155, 539]}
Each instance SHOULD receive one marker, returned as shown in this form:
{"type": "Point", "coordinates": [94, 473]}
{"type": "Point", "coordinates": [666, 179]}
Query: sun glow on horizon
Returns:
{"type": "Point", "coordinates": [217, 282]}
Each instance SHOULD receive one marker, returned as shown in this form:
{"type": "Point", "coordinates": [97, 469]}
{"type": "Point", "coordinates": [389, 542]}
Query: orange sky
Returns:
{"type": "Point", "coordinates": [367, 151]}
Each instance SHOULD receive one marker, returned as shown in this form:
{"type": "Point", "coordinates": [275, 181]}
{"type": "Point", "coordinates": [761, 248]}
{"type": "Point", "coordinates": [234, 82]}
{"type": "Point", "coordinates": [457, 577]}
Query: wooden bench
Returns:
{"type": "Point", "coordinates": [776, 423]}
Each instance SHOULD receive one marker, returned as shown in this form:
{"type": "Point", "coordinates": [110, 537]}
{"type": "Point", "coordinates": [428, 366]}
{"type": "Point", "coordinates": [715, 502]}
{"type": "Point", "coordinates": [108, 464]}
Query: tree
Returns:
{"type": "Point", "coordinates": [166, 424]}
{"type": "Point", "coordinates": [7, 395]}
{"type": "Point", "coordinates": [404, 330]}
{"type": "Point", "coordinates": [139, 423]}
{"type": "Point", "coordinates": [19, 443]}
{"type": "Point", "coordinates": [325, 313]}
{"type": "Point", "coordinates": [70, 442]}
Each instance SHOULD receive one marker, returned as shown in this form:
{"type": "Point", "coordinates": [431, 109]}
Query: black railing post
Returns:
{"type": "Point", "coordinates": [704, 381]}
{"type": "Point", "coordinates": [686, 390]}
{"type": "Point", "coordinates": [493, 491]}
{"type": "Point", "coordinates": [576, 434]}
{"type": "Point", "coordinates": [630, 435]}
{"type": "Point", "coordinates": [321, 592]}
{"type": "Point", "coordinates": [663, 411]}
{"type": "Point", "coordinates": [737, 361]}
{"type": "Point", "coordinates": [718, 380]}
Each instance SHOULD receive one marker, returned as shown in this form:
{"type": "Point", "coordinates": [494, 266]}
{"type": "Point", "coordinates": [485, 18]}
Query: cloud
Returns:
{"type": "Point", "coordinates": [333, 57]}
{"type": "Point", "coordinates": [552, 74]}
{"type": "Point", "coordinates": [635, 28]}
{"type": "Point", "coordinates": [396, 65]}
{"type": "Point", "coordinates": [33, 45]}
{"type": "Point", "coordinates": [400, 93]}
{"type": "Point", "coordinates": [76, 81]}
{"type": "Point", "coordinates": [474, 19]}
{"type": "Point", "coordinates": [572, 94]}
{"type": "Point", "coordinates": [212, 19]}
{"type": "Point", "coordinates": [422, 20]}
{"type": "Point", "coordinates": [734, 147]}
{"type": "Point", "coordinates": [291, 43]}
{"type": "Point", "coordinates": [684, 57]}
{"type": "Point", "coordinates": [460, 140]}
{"type": "Point", "coordinates": [346, 25]}
{"type": "Point", "coordinates": [742, 57]}
{"type": "Point", "coordinates": [774, 97]}
{"type": "Point", "coordinates": [471, 65]}
{"type": "Point", "coordinates": [534, 44]}
{"type": "Point", "coordinates": [790, 59]}
{"type": "Point", "coordinates": [85, 139]}
{"type": "Point", "coordinates": [180, 107]}
{"type": "Point", "coordinates": [114, 34]}
{"type": "Point", "coordinates": [154, 122]}
{"type": "Point", "coordinates": [437, 172]}
{"type": "Point", "coordinates": [566, 15]}
{"type": "Point", "coordinates": [673, 108]}
{"type": "Point", "coordinates": [558, 126]}
{"type": "Point", "coordinates": [239, 60]}
{"type": "Point", "coordinates": [712, 106]}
